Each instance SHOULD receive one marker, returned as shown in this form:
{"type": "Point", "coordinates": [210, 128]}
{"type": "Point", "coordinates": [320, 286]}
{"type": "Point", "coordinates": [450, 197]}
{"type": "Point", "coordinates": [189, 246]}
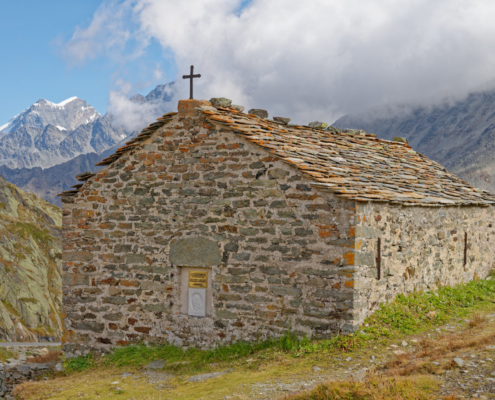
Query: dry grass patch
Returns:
{"type": "Point", "coordinates": [375, 387]}
{"type": "Point", "coordinates": [442, 350]}
{"type": "Point", "coordinates": [477, 320]}
{"type": "Point", "coordinates": [51, 356]}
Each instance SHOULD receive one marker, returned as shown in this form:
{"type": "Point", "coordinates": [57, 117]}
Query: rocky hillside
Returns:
{"type": "Point", "coordinates": [48, 134]}
{"type": "Point", "coordinates": [30, 266]}
{"type": "Point", "coordinates": [460, 136]}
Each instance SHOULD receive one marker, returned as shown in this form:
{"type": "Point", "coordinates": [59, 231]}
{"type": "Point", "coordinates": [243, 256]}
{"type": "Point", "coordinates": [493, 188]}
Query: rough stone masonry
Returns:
{"type": "Point", "coordinates": [273, 252]}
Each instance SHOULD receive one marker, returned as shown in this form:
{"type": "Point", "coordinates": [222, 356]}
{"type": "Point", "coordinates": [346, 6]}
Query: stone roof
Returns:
{"type": "Point", "coordinates": [353, 165]}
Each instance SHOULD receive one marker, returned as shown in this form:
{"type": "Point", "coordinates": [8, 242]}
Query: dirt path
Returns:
{"type": "Point", "coordinates": [30, 344]}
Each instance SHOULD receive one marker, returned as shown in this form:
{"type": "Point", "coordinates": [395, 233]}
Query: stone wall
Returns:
{"type": "Point", "coordinates": [280, 253]}
{"type": "Point", "coordinates": [422, 248]}
{"type": "Point", "coordinates": [13, 375]}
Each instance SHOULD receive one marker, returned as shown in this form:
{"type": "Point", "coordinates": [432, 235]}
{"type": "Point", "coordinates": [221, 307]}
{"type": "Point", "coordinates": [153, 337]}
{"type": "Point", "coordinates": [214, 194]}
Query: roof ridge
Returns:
{"type": "Point", "coordinates": [131, 144]}
{"type": "Point", "coordinates": [359, 167]}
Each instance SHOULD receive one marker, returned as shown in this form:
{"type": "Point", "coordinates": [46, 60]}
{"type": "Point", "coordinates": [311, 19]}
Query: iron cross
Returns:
{"type": "Point", "coordinates": [191, 80]}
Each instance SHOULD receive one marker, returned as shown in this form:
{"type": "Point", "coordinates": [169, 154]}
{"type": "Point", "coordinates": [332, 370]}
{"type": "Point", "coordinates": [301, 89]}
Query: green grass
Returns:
{"type": "Point", "coordinates": [4, 354]}
{"type": "Point", "coordinates": [407, 314]}
{"type": "Point", "coordinates": [79, 364]}
{"type": "Point", "coordinates": [28, 300]}
{"type": "Point", "coordinates": [137, 355]}
{"type": "Point", "coordinates": [411, 314]}
{"type": "Point", "coordinates": [25, 229]}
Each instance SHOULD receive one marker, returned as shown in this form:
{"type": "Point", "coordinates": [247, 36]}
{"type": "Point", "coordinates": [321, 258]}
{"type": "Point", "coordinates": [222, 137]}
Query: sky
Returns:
{"type": "Point", "coordinates": [311, 60]}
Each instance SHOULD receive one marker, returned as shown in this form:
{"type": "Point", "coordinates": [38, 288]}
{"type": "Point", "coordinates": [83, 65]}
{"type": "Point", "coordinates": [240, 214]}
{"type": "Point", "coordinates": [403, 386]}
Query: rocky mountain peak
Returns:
{"type": "Point", "coordinates": [67, 115]}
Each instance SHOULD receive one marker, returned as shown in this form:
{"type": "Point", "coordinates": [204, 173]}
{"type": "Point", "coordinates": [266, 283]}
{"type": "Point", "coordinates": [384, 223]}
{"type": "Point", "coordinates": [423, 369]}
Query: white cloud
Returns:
{"type": "Point", "coordinates": [107, 35]}
{"type": "Point", "coordinates": [314, 59]}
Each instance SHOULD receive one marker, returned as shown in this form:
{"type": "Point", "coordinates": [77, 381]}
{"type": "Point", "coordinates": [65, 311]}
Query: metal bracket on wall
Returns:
{"type": "Point", "coordinates": [379, 260]}
{"type": "Point", "coordinates": [465, 248]}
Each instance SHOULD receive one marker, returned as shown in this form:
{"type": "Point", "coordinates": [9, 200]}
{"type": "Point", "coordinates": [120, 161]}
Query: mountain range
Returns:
{"type": "Point", "coordinates": [47, 134]}
{"type": "Point", "coordinates": [459, 135]}
{"type": "Point", "coordinates": [44, 147]}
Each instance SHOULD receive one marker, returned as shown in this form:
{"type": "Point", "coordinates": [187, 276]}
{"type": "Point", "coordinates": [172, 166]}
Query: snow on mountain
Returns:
{"type": "Point", "coordinates": [63, 103]}
{"type": "Point", "coordinates": [47, 145]}
{"type": "Point", "coordinates": [47, 134]}
{"type": "Point", "coordinates": [68, 114]}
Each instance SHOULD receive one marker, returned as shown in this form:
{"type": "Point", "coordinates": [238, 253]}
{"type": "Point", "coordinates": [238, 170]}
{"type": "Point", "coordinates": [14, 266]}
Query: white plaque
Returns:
{"type": "Point", "coordinates": [197, 302]}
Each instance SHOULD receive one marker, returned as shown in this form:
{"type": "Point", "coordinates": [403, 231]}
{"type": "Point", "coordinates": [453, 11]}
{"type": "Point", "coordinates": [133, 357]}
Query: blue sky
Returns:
{"type": "Point", "coordinates": [32, 65]}
{"type": "Point", "coordinates": [311, 60]}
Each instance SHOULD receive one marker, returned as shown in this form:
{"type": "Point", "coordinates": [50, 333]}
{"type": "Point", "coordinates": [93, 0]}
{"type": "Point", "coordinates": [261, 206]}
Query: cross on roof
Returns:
{"type": "Point", "coordinates": [191, 76]}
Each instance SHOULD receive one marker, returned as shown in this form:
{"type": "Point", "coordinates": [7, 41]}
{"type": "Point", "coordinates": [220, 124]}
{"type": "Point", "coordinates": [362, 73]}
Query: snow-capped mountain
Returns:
{"type": "Point", "coordinates": [48, 134]}
{"type": "Point", "coordinates": [43, 148]}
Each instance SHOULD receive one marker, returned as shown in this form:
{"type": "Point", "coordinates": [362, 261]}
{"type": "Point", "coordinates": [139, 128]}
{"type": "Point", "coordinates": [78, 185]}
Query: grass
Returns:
{"type": "Point", "coordinates": [25, 229]}
{"type": "Point", "coordinates": [4, 354]}
{"type": "Point", "coordinates": [79, 364]}
{"type": "Point", "coordinates": [10, 308]}
{"type": "Point", "coordinates": [136, 355]}
{"type": "Point", "coordinates": [51, 356]}
{"type": "Point", "coordinates": [373, 388]}
{"type": "Point", "coordinates": [28, 300]}
{"type": "Point", "coordinates": [442, 350]}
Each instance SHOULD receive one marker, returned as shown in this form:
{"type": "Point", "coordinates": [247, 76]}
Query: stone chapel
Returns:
{"type": "Point", "coordinates": [214, 225]}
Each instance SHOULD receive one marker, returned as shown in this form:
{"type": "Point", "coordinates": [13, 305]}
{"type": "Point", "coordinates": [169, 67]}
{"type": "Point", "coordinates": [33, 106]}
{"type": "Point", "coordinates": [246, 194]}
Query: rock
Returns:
{"type": "Point", "coordinates": [398, 352]}
{"type": "Point", "coordinates": [359, 375]}
{"type": "Point", "coordinates": [348, 359]}
{"type": "Point", "coordinates": [490, 347]}
{"type": "Point", "coordinates": [118, 389]}
{"type": "Point", "coordinates": [203, 377]}
{"type": "Point", "coordinates": [115, 383]}
{"type": "Point", "coordinates": [237, 107]}
{"type": "Point", "coordinates": [492, 373]}
{"type": "Point", "coordinates": [158, 364]}
{"type": "Point", "coordinates": [195, 252]}
{"type": "Point", "coordinates": [318, 125]}
{"type": "Point", "coordinates": [459, 362]}
{"type": "Point", "coordinates": [316, 369]}
{"type": "Point", "coordinates": [400, 139]}
{"type": "Point", "coordinates": [354, 132]}
{"type": "Point", "coordinates": [126, 374]}
{"type": "Point", "coordinates": [59, 367]}
{"type": "Point", "coordinates": [333, 129]}
{"type": "Point", "coordinates": [220, 102]}
{"type": "Point", "coordinates": [281, 120]}
{"type": "Point", "coordinates": [259, 112]}
{"type": "Point", "coordinates": [39, 367]}
{"type": "Point", "coordinates": [404, 343]}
